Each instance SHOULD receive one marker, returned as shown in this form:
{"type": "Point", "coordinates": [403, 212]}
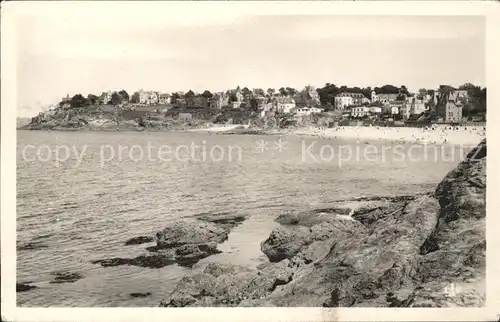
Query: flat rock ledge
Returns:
{"type": "Point", "coordinates": [184, 242]}
{"type": "Point", "coordinates": [24, 287]}
{"type": "Point", "coordinates": [412, 251]}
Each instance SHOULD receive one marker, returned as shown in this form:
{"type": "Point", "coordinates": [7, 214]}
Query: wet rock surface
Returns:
{"type": "Point", "coordinates": [32, 246]}
{"type": "Point", "coordinates": [426, 250]}
{"type": "Point", "coordinates": [184, 242]}
{"type": "Point", "coordinates": [221, 285]}
{"type": "Point", "coordinates": [24, 287]}
{"type": "Point", "coordinates": [139, 240]}
{"type": "Point", "coordinates": [140, 295]}
{"type": "Point", "coordinates": [65, 277]}
{"type": "Point", "coordinates": [147, 261]}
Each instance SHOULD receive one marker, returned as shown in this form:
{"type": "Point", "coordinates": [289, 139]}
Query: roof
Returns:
{"type": "Point", "coordinates": [344, 94]}
{"type": "Point", "coordinates": [389, 95]}
{"type": "Point", "coordinates": [285, 100]}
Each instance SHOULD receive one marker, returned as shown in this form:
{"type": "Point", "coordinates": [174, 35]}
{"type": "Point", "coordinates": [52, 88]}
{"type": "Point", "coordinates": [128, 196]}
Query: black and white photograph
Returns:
{"type": "Point", "coordinates": [177, 155]}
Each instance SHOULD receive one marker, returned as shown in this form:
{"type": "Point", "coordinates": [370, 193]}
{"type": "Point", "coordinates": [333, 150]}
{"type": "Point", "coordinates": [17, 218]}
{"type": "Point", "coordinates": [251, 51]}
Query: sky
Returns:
{"type": "Point", "coordinates": [61, 53]}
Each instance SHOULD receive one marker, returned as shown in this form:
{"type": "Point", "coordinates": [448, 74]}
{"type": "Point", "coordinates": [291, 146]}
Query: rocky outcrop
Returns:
{"type": "Point", "coordinates": [32, 246]}
{"type": "Point", "coordinates": [24, 287]}
{"type": "Point", "coordinates": [190, 231]}
{"type": "Point", "coordinates": [225, 285]}
{"type": "Point", "coordinates": [65, 277]}
{"type": "Point", "coordinates": [184, 242]}
{"type": "Point", "coordinates": [139, 240]}
{"type": "Point", "coordinates": [422, 251]}
{"type": "Point", "coordinates": [306, 236]}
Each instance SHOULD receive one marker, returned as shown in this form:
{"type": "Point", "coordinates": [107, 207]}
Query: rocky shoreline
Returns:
{"type": "Point", "coordinates": [425, 250]}
{"type": "Point", "coordinates": [411, 251]}
{"type": "Point", "coordinates": [184, 242]}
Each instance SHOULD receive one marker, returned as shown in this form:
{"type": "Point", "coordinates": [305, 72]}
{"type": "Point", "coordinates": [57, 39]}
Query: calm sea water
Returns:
{"type": "Point", "coordinates": [86, 211]}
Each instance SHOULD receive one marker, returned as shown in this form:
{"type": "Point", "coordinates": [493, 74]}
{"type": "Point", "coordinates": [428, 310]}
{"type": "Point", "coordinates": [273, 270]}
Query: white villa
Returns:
{"type": "Point", "coordinates": [344, 100]}
{"type": "Point", "coordinates": [148, 97]}
{"type": "Point", "coordinates": [283, 104]}
{"type": "Point", "coordinates": [302, 111]}
{"type": "Point", "coordinates": [164, 98]}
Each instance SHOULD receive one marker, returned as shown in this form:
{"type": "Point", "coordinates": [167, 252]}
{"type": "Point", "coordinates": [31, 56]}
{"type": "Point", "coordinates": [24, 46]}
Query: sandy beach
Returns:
{"type": "Point", "coordinates": [219, 128]}
{"type": "Point", "coordinates": [431, 135]}
{"type": "Point", "coordinates": [471, 135]}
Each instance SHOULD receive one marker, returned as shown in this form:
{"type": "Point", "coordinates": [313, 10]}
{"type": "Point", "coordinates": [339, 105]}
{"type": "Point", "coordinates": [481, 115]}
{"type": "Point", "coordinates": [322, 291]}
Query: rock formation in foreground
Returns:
{"type": "Point", "coordinates": [184, 242]}
{"type": "Point", "coordinates": [420, 251]}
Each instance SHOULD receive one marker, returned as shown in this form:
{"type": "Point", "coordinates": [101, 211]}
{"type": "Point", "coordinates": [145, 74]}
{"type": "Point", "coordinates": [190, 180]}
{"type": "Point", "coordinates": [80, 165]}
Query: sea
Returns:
{"type": "Point", "coordinates": [81, 195]}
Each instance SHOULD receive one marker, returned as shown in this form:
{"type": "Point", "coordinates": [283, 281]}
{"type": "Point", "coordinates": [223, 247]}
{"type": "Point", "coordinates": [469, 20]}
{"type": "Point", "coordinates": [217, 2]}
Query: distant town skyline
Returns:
{"type": "Point", "coordinates": [201, 52]}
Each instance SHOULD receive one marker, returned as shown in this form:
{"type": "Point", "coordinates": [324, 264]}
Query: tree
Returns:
{"type": "Point", "coordinates": [422, 92]}
{"type": "Point", "coordinates": [245, 91]}
{"type": "Point", "coordinates": [259, 91]}
{"type": "Point", "coordinates": [123, 93]}
{"type": "Point", "coordinates": [254, 104]}
{"type": "Point", "coordinates": [232, 97]}
{"type": "Point", "coordinates": [291, 91]}
{"type": "Point", "coordinates": [78, 101]}
{"type": "Point", "coordinates": [367, 92]}
{"type": "Point", "coordinates": [282, 91]}
{"type": "Point", "coordinates": [206, 94]}
{"type": "Point", "coordinates": [93, 99]}
{"type": "Point", "coordinates": [189, 94]}
{"type": "Point", "coordinates": [116, 98]}
{"type": "Point", "coordinates": [174, 98]}
{"type": "Point", "coordinates": [271, 91]}
{"type": "Point", "coordinates": [135, 98]}
{"type": "Point", "coordinates": [466, 86]}
{"type": "Point", "coordinates": [327, 94]}
{"type": "Point", "coordinates": [403, 90]}
{"type": "Point", "coordinates": [387, 89]}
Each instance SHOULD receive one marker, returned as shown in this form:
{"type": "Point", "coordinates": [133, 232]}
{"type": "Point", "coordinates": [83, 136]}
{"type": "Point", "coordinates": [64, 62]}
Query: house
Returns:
{"type": "Point", "coordinates": [164, 98]}
{"type": "Point", "coordinates": [345, 99]}
{"type": "Point", "coordinates": [105, 97]}
{"type": "Point", "coordinates": [391, 109]}
{"type": "Point", "coordinates": [316, 110]}
{"type": "Point", "coordinates": [301, 111]}
{"type": "Point", "coordinates": [453, 109]}
{"type": "Point", "coordinates": [461, 94]}
{"type": "Point", "coordinates": [417, 107]}
{"type": "Point", "coordinates": [312, 94]}
{"type": "Point", "coordinates": [239, 94]}
{"type": "Point", "coordinates": [148, 97]}
{"type": "Point", "coordinates": [283, 104]}
{"type": "Point", "coordinates": [360, 111]}
{"type": "Point", "coordinates": [235, 105]}
{"type": "Point", "coordinates": [218, 101]}
{"type": "Point", "coordinates": [185, 116]}
{"type": "Point", "coordinates": [341, 102]}
{"type": "Point", "coordinates": [65, 102]}
{"type": "Point", "coordinates": [307, 97]}
{"type": "Point", "coordinates": [261, 102]}
{"type": "Point", "coordinates": [384, 98]}
{"type": "Point", "coordinates": [375, 109]}
{"type": "Point", "coordinates": [405, 111]}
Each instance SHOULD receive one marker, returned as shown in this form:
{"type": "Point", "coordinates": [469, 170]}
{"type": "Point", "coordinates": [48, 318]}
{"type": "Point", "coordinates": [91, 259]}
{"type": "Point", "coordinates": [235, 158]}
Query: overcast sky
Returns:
{"type": "Point", "coordinates": [166, 51]}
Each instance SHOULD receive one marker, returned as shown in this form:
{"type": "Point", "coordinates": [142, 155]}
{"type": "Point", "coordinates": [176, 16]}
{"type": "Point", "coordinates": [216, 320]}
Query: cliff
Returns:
{"type": "Point", "coordinates": [110, 118]}
{"type": "Point", "coordinates": [410, 251]}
